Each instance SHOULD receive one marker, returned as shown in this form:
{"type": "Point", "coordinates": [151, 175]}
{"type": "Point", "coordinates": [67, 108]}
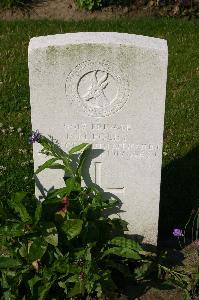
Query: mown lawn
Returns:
{"type": "Point", "coordinates": [180, 173]}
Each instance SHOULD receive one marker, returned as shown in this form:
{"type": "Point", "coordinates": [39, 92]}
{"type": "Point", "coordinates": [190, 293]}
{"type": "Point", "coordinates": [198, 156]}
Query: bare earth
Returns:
{"type": "Point", "coordinates": [68, 10]}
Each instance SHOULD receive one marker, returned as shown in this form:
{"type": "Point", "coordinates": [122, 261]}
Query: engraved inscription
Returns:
{"type": "Point", "coordinates": [99, 88]}
{"type": "Point", "coordinates": [117, 140]}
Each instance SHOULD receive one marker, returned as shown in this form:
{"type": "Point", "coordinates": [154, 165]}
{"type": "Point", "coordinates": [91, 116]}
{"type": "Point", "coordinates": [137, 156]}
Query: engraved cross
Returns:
{"type": "Point", "coordinates": [98, 180]}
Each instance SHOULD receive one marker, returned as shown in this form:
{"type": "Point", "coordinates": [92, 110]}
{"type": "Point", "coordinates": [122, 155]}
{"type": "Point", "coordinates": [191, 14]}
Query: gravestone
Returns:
{"type": "Point", "coordinates": [107, 89]}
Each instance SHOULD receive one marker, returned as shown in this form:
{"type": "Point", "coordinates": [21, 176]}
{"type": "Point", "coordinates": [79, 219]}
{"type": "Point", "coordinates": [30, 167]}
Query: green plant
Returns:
{"type": "Point", "coordinates": [63, 246]}
{"type": "Point", "coordinates": [66, 246]}
{"type": "Point", "coordinates": [90, 4]}
{"type": "Point", "coordinates": [186, 280]}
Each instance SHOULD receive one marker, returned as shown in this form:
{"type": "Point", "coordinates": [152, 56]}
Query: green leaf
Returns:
{"type": "Point", "coordinates": [83, 253]}
{"type": "Point", "coordinates": [13, 230]}
{"type": "Point", "coordinates": [122, 252]}
{"type": "Point", "coordinates": [72, 185]}
{"type": "Point", "coordinates": [17, 205]}
{"type": "Point", "coordinates": [32, 282]}
{"type": "Point", "coordinates": [66, 167]}
{"type": "Point", "coordinates": [119, 224]}
{"type": "Point", "coordinates": [8, 262]}
{"type": "Point", "coordinates": [99, 290]}
{"type": "Point", "coordinates": [62, 284]}
{"type": "Point", "coordinates": [61, 265]}
{"type": "Point", "coordinates": [82, 159]}
{"type": "Point", "coordinates": [78, 148]}
{"type": "Point", "coordinates": [57, 166]}
{"type": "Point", "coordinates": [19, 196]}
{"type": "Point", "coordinates": [51, 235]}
{"type": "Point", "coordinates": [125, 243]}
{"type": "Point", "coordinates": [46, 165]}
{"type": "Point", "coordinates": [143, 270]}
{"type": "Point", "coordinates": [72, 228]}
{"type": "Point", "coordinates": [5, 288]}
{"type": "Point", "coordinates": [54, 196]}
{"type": "Point", "coordinates": [37, 249]}
{"type": "Point", "coordinates": [4, 281]}
{"type": "Point", "coordinates": [73, 278]}
{"type": "Point", "coordinates": [76, 290]}
{"type": "Point", "coordinates": [38, 213]}
{"type": "Point", "coordinates": [50, 148]}
{"type": "Point", "coordinates": [43, 290]}
{"type": "Point", "coordinates": [23, 251]}
{"type": "Point", "coordinates": [75, 269]}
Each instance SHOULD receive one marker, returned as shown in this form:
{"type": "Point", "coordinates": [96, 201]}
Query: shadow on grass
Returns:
{"type": "Point", "coordinates": [179, 193]}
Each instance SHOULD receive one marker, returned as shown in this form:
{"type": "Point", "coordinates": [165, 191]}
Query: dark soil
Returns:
{"type": "Point", "coordinates": [68, 10]}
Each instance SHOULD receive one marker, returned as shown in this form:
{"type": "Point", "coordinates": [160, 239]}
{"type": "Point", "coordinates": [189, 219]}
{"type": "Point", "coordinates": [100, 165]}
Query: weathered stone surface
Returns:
{"type": "Point", "coordinates": [107, 89]}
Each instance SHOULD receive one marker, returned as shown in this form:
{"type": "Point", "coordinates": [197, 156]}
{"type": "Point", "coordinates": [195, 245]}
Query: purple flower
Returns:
{"type": "Point", "coordinates": [177, 232]}
{"type": "Point", "coordinates": [34, 137]}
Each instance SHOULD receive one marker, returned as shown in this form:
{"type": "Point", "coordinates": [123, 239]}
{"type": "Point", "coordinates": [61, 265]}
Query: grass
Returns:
{"type": "Point", "coordinates": [180, 172]}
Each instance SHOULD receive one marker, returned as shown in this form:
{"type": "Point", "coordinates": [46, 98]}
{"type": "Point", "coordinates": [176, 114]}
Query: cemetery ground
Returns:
{"type": "Point", "coordinates": [180, 170]}
{"type": "Point", "coordinates": [70, 10]}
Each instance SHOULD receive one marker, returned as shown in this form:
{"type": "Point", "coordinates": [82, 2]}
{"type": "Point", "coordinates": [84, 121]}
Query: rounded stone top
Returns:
{"type": "Point", "coordinates": [107, 38]}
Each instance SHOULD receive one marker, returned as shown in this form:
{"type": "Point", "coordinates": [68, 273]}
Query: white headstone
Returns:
{"type": "Point", "coordinates": [107, 89]}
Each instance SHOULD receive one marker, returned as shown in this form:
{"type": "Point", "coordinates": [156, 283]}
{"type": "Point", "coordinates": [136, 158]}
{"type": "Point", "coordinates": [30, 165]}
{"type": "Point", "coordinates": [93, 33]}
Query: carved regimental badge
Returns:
{"type": "Point", "coordinates": [99, 89]}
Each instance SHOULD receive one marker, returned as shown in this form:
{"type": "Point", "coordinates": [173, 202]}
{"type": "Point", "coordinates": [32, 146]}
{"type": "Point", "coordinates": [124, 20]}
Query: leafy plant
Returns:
{"type": "Point", "coordinates": [90, 4]}
{"type": "Point", "coordinates": [66, 247]}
